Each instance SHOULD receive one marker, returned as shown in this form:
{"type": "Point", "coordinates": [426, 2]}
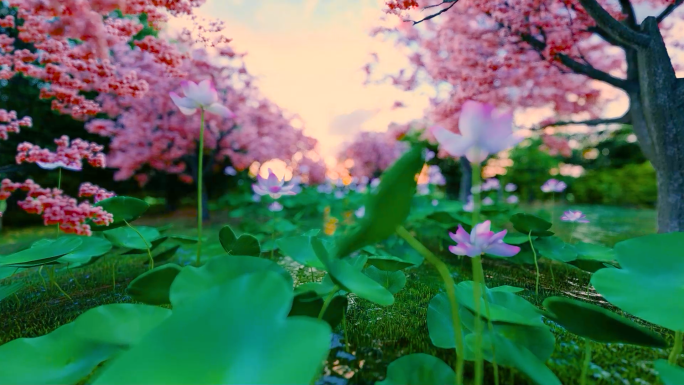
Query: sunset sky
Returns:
{"type": "Point", "coordinates": [309, 54]}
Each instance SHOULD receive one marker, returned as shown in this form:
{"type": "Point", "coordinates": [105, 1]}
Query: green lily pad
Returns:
{"type": "Point", "coordinates": [299, 248]}
{"type": "Point", "coordinates": [119, 324]}
{"type": "Point", "coordinates": [648, 285]}
{"type": "Point", "coordinates": [598, 324]}
{"type": "Point", "coordinates": [129, 238]}
{"type": "Point", "coordinates": [310, 304]}
{"type": "Point", "coordinates": [670, 375]}
{"type": "Point", "coordinates": [515, 238]}
{"type": "Point", "coordinates": [504, 306]}
{"type": "Point", "coordinates": [152, 287]}
{"type": "Point", "coordinates": [389, 206]}
{"type": "Point", "coordinates": [184, 239]}
{"type": "Point", "coordinates": [350, 279]}
{"type": "Point", "coordinates": [418, 369]}
{"type": "Point", "coordinates": [193, 281]}
{"type": "Point", "coordinates": [512, 354]}
{"type": "Point", "coordinates": [554, 248]}
{"type": "Point", "coordinates": [46, 252]}
{"type": "Point", "coordinates": [526, 223]}
{"type": "Point", "coordinates": [592, 257]}
{"type": "Point", "coordinates": [124, 209]}
{"type": "Point", "coordinates": [163, 256]}
{"type": "Point", "coordinates": [235, 332]}
{"type": "Point", "coordinates": [227, 238]}
{"type": "Point", "coordinates": [322, 289]}
{"type": "Point", "coordinates": [284, 226]}
{"type": "Point", "coordinates": [507, 288]}
{"type": "Point", "coordinates": [70, 353]}
{"type": "Point", "coordinates": [246, 244]}
{"type": "Point", "coordinates": [393, 281]}
{"type": "Point", "coordinates": [311, 233]}
{"type": "Point", "coordinates": [90, 247]}
{"type": "Point", "coordinates": [6, 291]}
{"type": "Point", "coordinates": [388, 263]}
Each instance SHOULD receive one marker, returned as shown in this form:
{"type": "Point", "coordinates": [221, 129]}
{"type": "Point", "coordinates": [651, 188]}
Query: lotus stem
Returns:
{"type": "Point", "coordinates": [587, 361]}
{"type": "Point", "coordinates": [40, 274]}
{"type": "Point", "coordinates": [147, 245]}
{"type": "Point", "coordinates": [273, 234]}
{"type": "Point", "coordinates": [327, 301]}
{"type": "Point", "coordinates": [480, 273]}
{"type": "Point", "coordinates": [676, 349]}
{"type": "Point", "coordinates": [553, 278]}
{"type": "Point", "coordinates": [450, 287]}
{"type": "Point", "coordinates": [200, 172]}
{"type": "Point", "coordinates": [536, 264]}
{"type": "Point", "coordinates": [477, 267]}
{"type": "Point", "coordinates": [59, 186]}
{"type": "Point", "coordinates": [54, 282]}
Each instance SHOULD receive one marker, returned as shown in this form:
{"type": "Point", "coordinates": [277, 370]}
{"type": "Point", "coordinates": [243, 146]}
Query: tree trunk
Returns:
{"type": "Point", "coordinates": [661, 98]}
{"type": "Point", "coordinates": [466, 179]}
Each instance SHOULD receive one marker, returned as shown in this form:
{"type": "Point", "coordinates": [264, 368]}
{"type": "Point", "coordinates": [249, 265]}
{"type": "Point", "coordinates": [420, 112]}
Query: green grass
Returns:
{"type": "Point", "coordinates": [377, 336]}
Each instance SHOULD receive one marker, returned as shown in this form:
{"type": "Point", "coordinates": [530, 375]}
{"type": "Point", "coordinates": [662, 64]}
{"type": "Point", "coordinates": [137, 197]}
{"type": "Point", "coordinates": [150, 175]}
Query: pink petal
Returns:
{"type": "Point", "coordinates": [476, 155]}
{"type": "Point", "coordinates": [498, 236]}
{"type": "Point", "coordinates": [454, 144]}
{"type": "Point", "coordinates": [272, 179]}
{"type": "Point", "coordinates": [206, 93]}
{"type": "Point", "coordinates": [259, 190]}
{"type": "Point", "coordinates": [182, 102]}
{"type": "Point", "coordinates": [502, 250]}
{"type": "Point", "coordinates": [461, 236]}
{"type": "Point", "coordinates": [188, 87]}
{"type": "Point", "coordinates": [465, 249]}
{"type": "Point", "coordinates": [474, 119]}
{"type": "Point", "coordinates": [220, 110]}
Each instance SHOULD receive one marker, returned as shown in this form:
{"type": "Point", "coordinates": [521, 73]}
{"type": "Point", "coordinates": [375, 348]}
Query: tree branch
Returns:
{"type": "Point", "coordinates": [625, 119]}
{"type": "Point", "coordinates": [581, 68]}
{"type": "Point", "coordinates": [453, 2]}
{"type": "Point", "coordinates": [668, 10]}
{"type": "Point", "coordinates": [628, 10]}
{"type": "Point", "coordinates": [617, 30]}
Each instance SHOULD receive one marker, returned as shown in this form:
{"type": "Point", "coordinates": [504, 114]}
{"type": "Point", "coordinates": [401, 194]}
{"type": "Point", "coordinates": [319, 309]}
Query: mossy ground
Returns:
{"type": "Point", "coordinates": [377, 336]}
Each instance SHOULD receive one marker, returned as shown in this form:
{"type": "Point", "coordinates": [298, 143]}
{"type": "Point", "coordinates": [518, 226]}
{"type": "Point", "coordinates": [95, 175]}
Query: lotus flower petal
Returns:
{"type": "Point", "coordinates": [502, 250]}
{"type": "Point", "coordinates": [220, 110]}
{"type": "Point", "coordinates": [454, 144]}
{"type": "Point", "coordinates": [474, 119]}
{"type": "Point", "coordinates": [465, 249]}
{"type": "Point", "coordinates": [460, 236]}
{"type": "Point", "coordinates": [206, 93]}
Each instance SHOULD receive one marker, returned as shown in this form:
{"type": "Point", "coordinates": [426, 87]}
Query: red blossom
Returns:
{"type": "Point", "coordinates": [57, 208]}
{"type": "Point", "coordinates": [69, 153]}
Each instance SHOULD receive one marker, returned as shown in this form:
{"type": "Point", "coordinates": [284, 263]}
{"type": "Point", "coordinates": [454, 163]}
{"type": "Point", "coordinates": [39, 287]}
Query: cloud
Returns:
{"type": "Point", "coordinates": [351, 123]}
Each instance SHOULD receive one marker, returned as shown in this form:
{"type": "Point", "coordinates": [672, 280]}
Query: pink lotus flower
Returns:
{"type": "Point", "coordinates": [482, 133]}
{"type": "Point", "coordinates": [488, 201]}
{"type": "Point", "coordinates": [275, 207]}
{"type": "Point", "coordinates": [553, 185]}
{"type": "Point", "coordinates": [272, 186]}
{"type": "Point", "coordinates": [481, 240]}
{"type": "Point", "coordinates": [470, 205]}
{"type": "Point", "coordinates": [510, 187]}
{"type": "Point", "coordinates": [202, 96]}
{"type": "Point", "coordinates": [512, 199]}
{"type": "Point", "coordinates": [574, 216]}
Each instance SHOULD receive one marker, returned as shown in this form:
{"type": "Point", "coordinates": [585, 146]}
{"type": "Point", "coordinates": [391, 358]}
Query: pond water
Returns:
{"type": "Point", "coordinates": [607, 225]}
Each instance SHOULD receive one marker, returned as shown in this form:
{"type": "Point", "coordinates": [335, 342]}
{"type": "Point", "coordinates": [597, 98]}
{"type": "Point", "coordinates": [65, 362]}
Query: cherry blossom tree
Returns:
{"type": "Point", "coordinates": [562, 54]}
{"type": "Point", "coordinates": [151, 136]}
{"type": "Point", "coordinates": [370, 153]}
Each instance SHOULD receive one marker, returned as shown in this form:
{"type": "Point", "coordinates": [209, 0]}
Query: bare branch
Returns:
{"type": "Point", "coordinates": [453, 2]}
{"type": "Point", "coordinates": [580, 68]}
{"type": "Point", "coordinates": [625, 119]}
{"type": "Point", "coordinates": [668, 10]}
{"type": "Point", "coordinates": [628, 10]}
{"type": "Point", "coordinates": [616, 29]}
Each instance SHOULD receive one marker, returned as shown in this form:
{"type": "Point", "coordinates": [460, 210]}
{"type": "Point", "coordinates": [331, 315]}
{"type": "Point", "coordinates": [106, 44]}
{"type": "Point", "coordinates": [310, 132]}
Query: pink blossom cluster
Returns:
{"type": "Point", "coordinates": [87, 190]}
{"type": "Point", "coordinates": [152, 134]}
{"type": "Point", "coordinates": [312, 172]}
{"type": "Point", "coordinates": [507, 53]}
{"type": "Point", "coordinates": [10, 124]}
{"type": "Point", "coordinates": [69, 153]}
{"type": "Point", "coordinates": [556, 145]}
{"type": "Point", "coordinates": [56, 208]}
{"type": "Point", "coordinates": [372, 153]}
{"type": "Point", "coordinates": [74, 39]}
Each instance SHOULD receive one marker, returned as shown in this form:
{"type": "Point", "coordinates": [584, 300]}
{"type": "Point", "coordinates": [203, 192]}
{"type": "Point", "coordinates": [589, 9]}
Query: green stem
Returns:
{"type": "Point", "coordinates": [479, 272]}
{"type": "Point", "coordinates": [477, 267]}
{"type": "Point", "coordinates": [327, 301]}
{"type": "Point", "coordinates": [73, 277]}
{"type": "Point", "coordinates": [450, 287]}
{"type": "Point", "coordinates": [553, 278]}
{"type": "Point", "coordinates": [147, 245]}
{"type": "Point", "coordinates": [273, 234]}
{"type": "Point", "coordinates": [200, 172]}
{"type": "Point", "coordinates": [344, 327]}
{"type": "Point", "coordinates": [676, 349]}
{"type": "Point", "coordinates": [40, 274]}
{"type": "Point", "coordinates": [113, 275]}
{"type": "Point", "coordinates": [587, 361]}
{"type": "Point", "coordinates": [536, 264]}
{"type": "Point", "coordinates": [51, 273]}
